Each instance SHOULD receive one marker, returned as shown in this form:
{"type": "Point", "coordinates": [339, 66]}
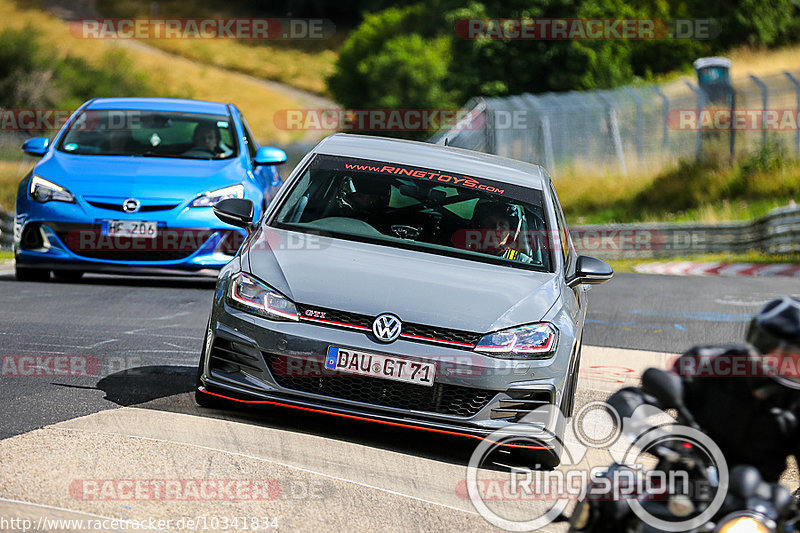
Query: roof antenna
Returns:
{"type": "Point", "coordinates": [446, 141]}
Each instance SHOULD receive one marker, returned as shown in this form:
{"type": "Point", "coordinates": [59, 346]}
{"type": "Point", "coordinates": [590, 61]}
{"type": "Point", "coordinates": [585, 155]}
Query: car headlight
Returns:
{"type": "Point", "coordinates": [211, 198]}
{"type": "Point", "coordinates": [43, 191]}
{"type": "Point", "coordinates": [744, 523]}
{"type": "Point", "coordinates": [254, 296]}
{"type": "Point", "coordinates": [537, 341]}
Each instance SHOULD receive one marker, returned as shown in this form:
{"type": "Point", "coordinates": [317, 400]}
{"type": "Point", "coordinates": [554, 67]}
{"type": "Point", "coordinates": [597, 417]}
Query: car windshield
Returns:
{"type": "Point", "coordinates": [424, 209]}
{"type": "Point", "coordinates": [150, 134]}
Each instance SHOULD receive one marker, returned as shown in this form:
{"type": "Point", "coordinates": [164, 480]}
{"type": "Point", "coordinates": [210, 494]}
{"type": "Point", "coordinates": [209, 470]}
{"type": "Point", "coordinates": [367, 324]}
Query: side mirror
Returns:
{"type": "Point", "coordinates": [269, 155]}
{"type": "Point", "coordinates": [235, 211]}
{"type": "Point", "coordinates": [37, 146]}
{"type": "Point", "coordinates": [591, 271]}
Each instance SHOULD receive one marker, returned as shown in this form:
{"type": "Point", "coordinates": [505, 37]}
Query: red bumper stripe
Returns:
{"type": "Point", "coordinates": [367, 419]}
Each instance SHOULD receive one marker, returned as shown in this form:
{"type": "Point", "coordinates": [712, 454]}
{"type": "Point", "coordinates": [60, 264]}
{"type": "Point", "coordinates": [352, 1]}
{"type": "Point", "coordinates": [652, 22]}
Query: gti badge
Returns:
{"type": "Point", "coordinates": [131, 205]}
{"type": "Point", "coordinates": [387, 328]}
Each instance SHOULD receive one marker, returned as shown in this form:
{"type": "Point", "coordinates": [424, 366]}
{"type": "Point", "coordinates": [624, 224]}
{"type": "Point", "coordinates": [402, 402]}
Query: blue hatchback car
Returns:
{"type": "Point", "coordinates": [128, 185]}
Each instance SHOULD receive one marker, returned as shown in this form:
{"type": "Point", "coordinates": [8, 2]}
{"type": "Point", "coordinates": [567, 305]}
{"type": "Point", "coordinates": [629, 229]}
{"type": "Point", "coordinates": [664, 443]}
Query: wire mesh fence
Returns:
{"type": "Point", "coordinates": [633, 129]}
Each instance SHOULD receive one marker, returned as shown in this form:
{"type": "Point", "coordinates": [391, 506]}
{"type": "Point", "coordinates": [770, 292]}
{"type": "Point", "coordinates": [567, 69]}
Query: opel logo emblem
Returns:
{"type": "Point", "coordinates": [387, 328]}
{"type": "Point", "coordinates": [131, 205]}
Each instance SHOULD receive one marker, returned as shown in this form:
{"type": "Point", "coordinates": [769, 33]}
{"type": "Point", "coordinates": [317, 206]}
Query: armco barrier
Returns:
{"type": "Point", "coordinates": [6, 230]}
{"type": "Point", "coordinates": [776, 233]}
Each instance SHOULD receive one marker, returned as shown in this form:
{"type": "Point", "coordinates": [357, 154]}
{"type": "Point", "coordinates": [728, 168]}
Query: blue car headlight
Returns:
{"type": "Point", "coordinates": [249, 294]}
{"type": "Point", "coordinates": [211, 198]}
{"type": "Point", "coordinates": [42, 190]}
{"type": "Point", "coordinates": [535, 341]}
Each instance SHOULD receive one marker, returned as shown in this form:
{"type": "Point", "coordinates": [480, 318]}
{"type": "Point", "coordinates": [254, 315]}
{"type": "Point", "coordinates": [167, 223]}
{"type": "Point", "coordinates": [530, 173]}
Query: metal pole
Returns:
{"type": "Point", "coordinates": [665, 117]}
{"type": "Point", "coordinates": [764, 95]}
{"type": "Point", "coordinates": [547, 139]}
{"type": "Point", "coordinates": [639, 123]}
{"type": "Point", "coordinates": [797, 131]}
{"type": "Point", "coordinates": [615, 136]}
{"type": "Point", "coordinates": [700, 104]}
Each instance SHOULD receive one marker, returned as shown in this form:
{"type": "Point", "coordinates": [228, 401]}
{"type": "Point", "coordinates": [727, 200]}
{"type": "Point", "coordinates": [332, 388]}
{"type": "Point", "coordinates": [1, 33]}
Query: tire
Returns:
{"type": "Point", "coordinates": [31, 274]}
{"type": "Point", "coordinates": [67, 275]}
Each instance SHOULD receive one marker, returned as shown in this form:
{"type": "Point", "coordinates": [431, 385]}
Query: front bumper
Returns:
{"type": "Point", "coordinates": [82, 246]}
{"type": "Point", "coordinates": [254, 360]}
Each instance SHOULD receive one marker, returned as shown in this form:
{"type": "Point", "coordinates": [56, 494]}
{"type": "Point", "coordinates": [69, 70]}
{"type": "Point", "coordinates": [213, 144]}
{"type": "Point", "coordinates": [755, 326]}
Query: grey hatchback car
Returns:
{"type": "Point", "coordinates": [402, 283]}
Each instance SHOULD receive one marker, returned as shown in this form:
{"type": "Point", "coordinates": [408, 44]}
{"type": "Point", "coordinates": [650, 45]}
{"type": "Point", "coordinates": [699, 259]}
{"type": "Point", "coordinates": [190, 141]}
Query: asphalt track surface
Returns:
{"type": "Point", "coordinates": [134, 418]}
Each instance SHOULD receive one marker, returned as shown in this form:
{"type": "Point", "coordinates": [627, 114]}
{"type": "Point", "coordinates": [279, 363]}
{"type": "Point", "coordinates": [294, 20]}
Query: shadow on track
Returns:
{"type": "Point", "coordinates": [176, 282]}
{"type": "Point", "coordinates": [171, 388]}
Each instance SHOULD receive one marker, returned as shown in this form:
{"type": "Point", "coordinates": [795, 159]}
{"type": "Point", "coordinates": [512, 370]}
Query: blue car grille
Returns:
{"type": "Point", "coordinates": [142, 209]}
{"type": "Point", "coordinates": [91, 245]}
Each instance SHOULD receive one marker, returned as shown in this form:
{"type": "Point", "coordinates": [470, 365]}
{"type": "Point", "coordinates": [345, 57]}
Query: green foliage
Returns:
{"type": "Point", "coordinates": [763, 177]}
{"type": "Point", "coordinates": [81, 81]}
{"type": "Point", "coordinates": [495, 67]}
{"type": "Point", "coordinates": [22, 71]}
{"type": "Point", "coordinates": [34, 77]}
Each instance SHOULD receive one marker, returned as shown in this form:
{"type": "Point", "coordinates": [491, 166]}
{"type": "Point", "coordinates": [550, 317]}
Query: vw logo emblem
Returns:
{"type": "Point", "coordinates": [387, 328]}
{"type": "Point", "coordinates": [131, 205]}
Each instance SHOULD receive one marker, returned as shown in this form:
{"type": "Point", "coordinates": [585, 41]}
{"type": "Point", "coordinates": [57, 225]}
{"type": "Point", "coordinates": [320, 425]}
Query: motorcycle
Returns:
{"type": "Point", "coordinates": [743, 501]}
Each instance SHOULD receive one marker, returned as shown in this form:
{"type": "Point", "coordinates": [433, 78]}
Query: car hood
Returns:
{"type": "Point", "coordinates": [136, 177]}
{"type": "Point", "coordinates": [418, 287]}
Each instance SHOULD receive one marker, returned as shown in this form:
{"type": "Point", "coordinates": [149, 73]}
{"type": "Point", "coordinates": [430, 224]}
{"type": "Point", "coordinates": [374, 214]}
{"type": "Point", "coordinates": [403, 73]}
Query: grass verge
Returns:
{"type": "Point", "coordinates": [169, 75]}
{"type": "Point", "coordinates": [627, 265]}
{"type": "Point", "coordinates": [300, 63]}
{"type": "Point", "coordinates": [707, 191]}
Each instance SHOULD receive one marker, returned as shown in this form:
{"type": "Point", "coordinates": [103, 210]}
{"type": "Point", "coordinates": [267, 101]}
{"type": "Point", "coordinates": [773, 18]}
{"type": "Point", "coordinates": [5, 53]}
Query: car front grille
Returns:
{"type": "Point", "coordinates": [142, 209]}
{"type": "Point", "coordinates": [440, 398]}
{"type": "Point", "coordinates": [87, 241]}
{"type": "Point", "coordinates": [414, 332]}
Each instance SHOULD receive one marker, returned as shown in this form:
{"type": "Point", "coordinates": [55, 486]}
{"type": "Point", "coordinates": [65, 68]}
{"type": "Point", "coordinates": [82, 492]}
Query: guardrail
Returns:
{"type": "Point", "coordinates": [778, 232]}
{"type": "Point", "coordinates": [6, 230]}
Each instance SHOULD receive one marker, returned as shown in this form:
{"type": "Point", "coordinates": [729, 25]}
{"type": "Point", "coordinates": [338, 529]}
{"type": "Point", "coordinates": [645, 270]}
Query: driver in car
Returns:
{"type": "Point", "coordinates": [206, 139]}
{"type": "Point", "coordinates": [498, 225]}
{"type": "Point", "coordinates": [364, 199]}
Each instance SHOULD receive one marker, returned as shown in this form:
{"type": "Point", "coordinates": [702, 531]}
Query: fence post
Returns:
{"type": "Point", "coordinates": [797, 131]}
{"type": "Point", "coordinates": [547, 139]}
{"type": "Point", "coordinates": [613, 126]}
{"type": "Point", "coordinates": [639, 123]}
{"type": "Point", "coordinates": [700, 105]}
{"type": "Point", "coordinates": [664, 116]}
{"type": "Point", "coordinates": [764, 96]}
